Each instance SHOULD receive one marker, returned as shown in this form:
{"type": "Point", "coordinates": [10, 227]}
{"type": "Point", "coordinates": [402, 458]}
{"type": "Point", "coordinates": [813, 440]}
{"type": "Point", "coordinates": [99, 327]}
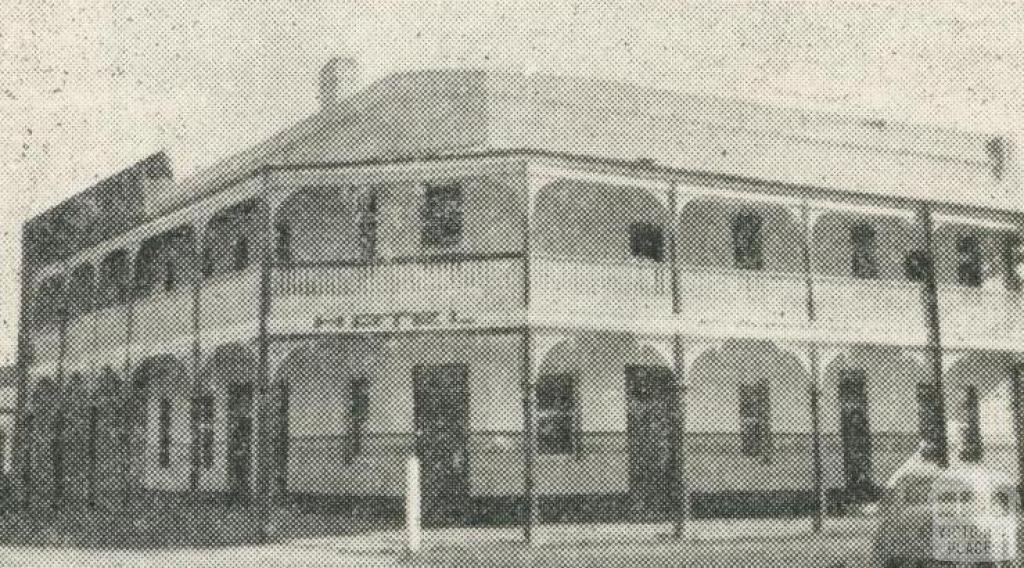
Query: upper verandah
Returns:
{"type": "Point", "coordinates": [432, 113]}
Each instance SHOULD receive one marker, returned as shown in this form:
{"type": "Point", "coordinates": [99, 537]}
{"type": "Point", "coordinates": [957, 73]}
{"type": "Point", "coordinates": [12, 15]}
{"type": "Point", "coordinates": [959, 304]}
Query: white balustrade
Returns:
{"type": "Point", "coordinates": [980, 317]}
{"type": "Point", "coordinates": [727, 298]}
{"type": "Point", "coordinates": [870, 310]}
{"type": "Point", "coordinates": [575, 285]}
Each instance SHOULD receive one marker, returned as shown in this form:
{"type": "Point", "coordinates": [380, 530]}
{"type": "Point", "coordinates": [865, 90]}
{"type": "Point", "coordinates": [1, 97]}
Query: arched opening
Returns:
{"type": "Point", "coordinates": [600, 222]}
{"type": "Point", "coordinates": [978, 418]}
{"type": "Point", "coordinates": [744, 235]}
{"type": "Point", "coordinates": [861, 246]}
{"type": "Point", "coordinates": [162, 423]}
{"type": "Point", "coordinates": [104, 440]}
{"type": "Point", "coordinates": [231, 237]}
{"type": "Point", "coordinates": [166, 262]}
{"type": "Point", "coordinates": [328, 224]}
{"type": "Point", "coordinates": [749, 432]}
{"type": "Point", "coordinates": [230, 373]}
{"type": "Point", "coordinates": [114, 281]}
{"type": "Point", "coordinates": [324, 411]}
{"type": "Point", "coordinates": [976, 257]}
{"type": "Point", "coordinates": [81, 290]}
{"type": "Point", "coordinates": [871, 419]}
{"type": "Point", "coordinates": [604, 429]}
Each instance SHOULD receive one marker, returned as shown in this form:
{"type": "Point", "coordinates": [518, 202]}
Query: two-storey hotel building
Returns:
{"type": "Point", "coordinates": [574, 298]}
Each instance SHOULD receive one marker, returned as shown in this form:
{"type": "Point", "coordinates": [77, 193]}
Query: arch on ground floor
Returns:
{"type": "Point", "coordinates": [106, 448]}
{"type": "Point", "coordinates": [227, 418]}
{"type": "Point", "coordinates": [979, 413]}
{"type": "Point", "coordinates": [160, 409]}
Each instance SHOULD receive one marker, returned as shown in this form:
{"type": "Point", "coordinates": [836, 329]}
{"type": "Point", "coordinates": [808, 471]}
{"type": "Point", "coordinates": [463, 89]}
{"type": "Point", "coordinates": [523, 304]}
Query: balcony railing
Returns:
{"type": "Point", "coordinates": [573, 284]}
{"type": "Point", "coordinates": [870, 310]}
{"type": "Point", "coordinates": [477, 288]}
{"type": "Point", "coordinates": [726, 297]}
{"type": "Point", "coordinates": [979, 317]}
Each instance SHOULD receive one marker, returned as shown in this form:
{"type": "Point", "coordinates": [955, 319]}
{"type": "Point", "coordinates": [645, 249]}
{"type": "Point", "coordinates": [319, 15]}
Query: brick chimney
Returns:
{"type": "Point", "coordinates": [339, 80]}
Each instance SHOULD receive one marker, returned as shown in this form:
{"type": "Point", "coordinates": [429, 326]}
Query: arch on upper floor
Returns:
{"type": "Point", "coordinates": [716, 232]}
{"type": "Point", "coordinates": [81, 297]}
{"type": "Point", "coordinates": [326, 224]}
{"type": "Point", "coordinates": [166, 262]}
{"type": "Point", "coordinates": [973, 256]}
{"type": "Point", "coordinates": [600, 222]}
{"type": "Point", "coordinates": [864, 246]}
{"type": "Point", "coordinates": [114, 279]}
{"type": "Point", "coordinates": [230, 238]}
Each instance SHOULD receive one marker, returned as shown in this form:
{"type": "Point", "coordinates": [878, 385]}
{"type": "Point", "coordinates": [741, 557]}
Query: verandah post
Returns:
{"type": "Point", "coordinates": [263, 371]}
{"type": "Point", "coordinates": [814, 386]}
{"type": "Point", "coordinates": [529, 393]}
{"type": "Point", "coordinates": [680, 488]}
{"type": "Point", "coordinates": [930, 297]}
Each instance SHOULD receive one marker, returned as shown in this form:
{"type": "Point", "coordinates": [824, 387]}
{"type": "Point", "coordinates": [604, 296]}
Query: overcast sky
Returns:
{"type": "Point", "coordinates": [89, 87]}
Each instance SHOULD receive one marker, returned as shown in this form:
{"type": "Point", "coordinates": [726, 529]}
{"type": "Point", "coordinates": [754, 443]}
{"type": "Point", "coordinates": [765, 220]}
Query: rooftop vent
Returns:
{"type": "Point", "coordinates": [339, 80]}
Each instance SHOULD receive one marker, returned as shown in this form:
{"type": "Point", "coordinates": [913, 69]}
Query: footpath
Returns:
{"type": "Point", "coordinates": [732, 543]}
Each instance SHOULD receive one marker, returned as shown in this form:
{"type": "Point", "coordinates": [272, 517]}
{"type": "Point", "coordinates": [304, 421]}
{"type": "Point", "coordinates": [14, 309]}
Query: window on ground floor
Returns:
{"type": "Point", "coordinates": [755, 421]}
{"type": "Point", "coordinates": [928, 424]}
{"type": "Point", "coordinates": [969, 261]}
{"type": "Point", "coordinates": [164, 424]}
{"type": "Point", "coordinates": [558, 417]}
{"type": "Point", "coordinates": [359, 406]}
{"type": "Point", "coordinates": [970, 429]}
{"type": "Point", "coordinates": [204, 408]}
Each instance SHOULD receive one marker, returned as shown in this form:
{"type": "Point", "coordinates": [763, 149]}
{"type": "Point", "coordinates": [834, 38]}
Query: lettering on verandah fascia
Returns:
{"type": "Point", "coordinates": [393, 320]}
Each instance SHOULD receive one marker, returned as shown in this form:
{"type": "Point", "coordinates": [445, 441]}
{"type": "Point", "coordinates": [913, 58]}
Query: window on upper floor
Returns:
{"type": "Point", "coordinates": [969, 270]}
{"type": "Point", "coordinates": [49, 302]}
{"type": "Point", "coordinates": [864, 260]}
{"type": "Point", "coordinates": [916, 266]}
{"type": "Point", "coordinates": [747, 244]}
{"type": "Point", "coordinates": [558, 418]}
{"type": "Point", "coordinates": [227, 242]}
{"type": "Point", "coordinates": [368, 225]}
{"type": "Point", "coordinates": [283, 243]}
{"type": "Point", "coordinates": [755, 421]}
{"type": "Point", "coordinates": [646, 241]}
{"type": "Point", "coordinates": [114, 281]}
{"type": "Point", "coordinates": [81, 290]}
{"type": "Point", "coordinates": [240, 253]}
{"type": "Point", "coordinates": [442, 215]}
{"type": "Point", "coordinates": [1013, 261]}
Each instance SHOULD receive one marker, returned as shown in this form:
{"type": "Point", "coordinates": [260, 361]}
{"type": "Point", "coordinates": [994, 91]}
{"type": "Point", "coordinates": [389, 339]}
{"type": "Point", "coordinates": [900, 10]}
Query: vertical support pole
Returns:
{"type": "Point", "coordinates": [127, 387]}
{"type": "Point", "coordinates": [680, 484]}
{"type": "Point", "coordinates": [197, 387]}
{"type": "Point", "coordinates": [816, 458]}
{"type": "Point", "coordinates": [528, 385]}
{"type": "Point", "coordinates": [680, 487]}
{"type": "Point", "coordinates": [930, 297]}
{"type": "Point", "coordinates": [814, 388]}
{"type": "Point", "coordinates": [262, 462]}
{"type": "Point", "coordinates": [19, 465]}
{"type": "Point", "coordinates": [1017, 394]}
{"type": "Point", "coordinates": [58, 421]}
{"type": "Point", "coordinates": [529, 391]}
